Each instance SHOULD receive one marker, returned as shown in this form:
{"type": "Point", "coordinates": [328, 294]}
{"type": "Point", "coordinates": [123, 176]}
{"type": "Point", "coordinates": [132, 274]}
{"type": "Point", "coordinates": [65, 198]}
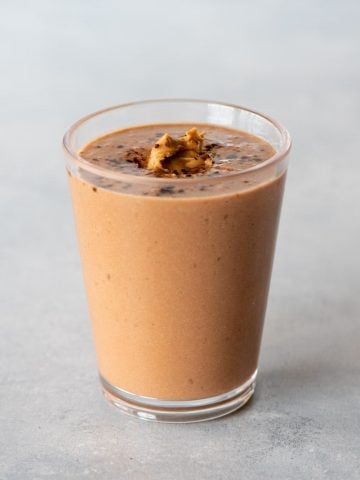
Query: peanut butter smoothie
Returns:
{"type": "Point", "coordinates": [177, 257]}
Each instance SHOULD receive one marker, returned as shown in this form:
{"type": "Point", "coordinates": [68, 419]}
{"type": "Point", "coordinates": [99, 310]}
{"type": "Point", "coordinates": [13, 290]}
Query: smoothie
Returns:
{"type": "Point", "coordinates": [177, 273]}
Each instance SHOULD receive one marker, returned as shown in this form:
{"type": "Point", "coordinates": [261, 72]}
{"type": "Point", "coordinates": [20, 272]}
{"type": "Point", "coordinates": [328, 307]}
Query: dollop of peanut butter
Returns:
{"type": "Point", "coordinates": [180, 156]}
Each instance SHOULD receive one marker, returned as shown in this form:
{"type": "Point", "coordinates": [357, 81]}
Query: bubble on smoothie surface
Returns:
{"type": "Point", "coordinates": [180, 156]}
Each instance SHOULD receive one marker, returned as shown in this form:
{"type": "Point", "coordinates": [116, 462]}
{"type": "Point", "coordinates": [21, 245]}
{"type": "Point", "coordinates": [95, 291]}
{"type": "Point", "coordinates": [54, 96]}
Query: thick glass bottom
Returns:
{"type": "Point", "coordinates": [183, 411]}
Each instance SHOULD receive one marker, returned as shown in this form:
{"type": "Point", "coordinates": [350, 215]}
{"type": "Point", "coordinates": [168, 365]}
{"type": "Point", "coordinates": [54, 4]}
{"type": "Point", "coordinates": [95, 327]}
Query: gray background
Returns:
{"type": "Point", "coordinates": [296, 60]}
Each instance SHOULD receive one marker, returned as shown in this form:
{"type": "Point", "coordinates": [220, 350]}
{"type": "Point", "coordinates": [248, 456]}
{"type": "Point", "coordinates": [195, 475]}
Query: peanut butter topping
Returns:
{"type": "Point", "coordinates": [180, 156]}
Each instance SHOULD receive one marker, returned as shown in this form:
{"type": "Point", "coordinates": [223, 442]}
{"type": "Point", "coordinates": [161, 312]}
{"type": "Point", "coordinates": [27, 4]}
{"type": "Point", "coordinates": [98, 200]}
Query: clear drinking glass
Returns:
{"type": "Point", "coordinates": [177, 285]}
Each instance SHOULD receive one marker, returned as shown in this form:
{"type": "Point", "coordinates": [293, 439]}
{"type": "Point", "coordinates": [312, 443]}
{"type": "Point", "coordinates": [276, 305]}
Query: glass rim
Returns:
{"type": "Point", "coordinates": [126, 177]}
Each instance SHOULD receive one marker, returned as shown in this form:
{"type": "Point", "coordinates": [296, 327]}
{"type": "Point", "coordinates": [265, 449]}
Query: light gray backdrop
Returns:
{"type": "Point", "coordinates": [296, 60]}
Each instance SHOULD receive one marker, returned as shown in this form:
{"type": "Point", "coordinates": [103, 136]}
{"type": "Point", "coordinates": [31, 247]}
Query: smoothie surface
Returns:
{"type": "Point", "coordinates": [128, 150]}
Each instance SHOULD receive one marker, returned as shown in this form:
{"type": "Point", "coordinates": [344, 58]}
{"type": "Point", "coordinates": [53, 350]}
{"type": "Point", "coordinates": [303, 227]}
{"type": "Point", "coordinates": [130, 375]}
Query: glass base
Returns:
{"type": "Point", "coordinates": [183, 411]}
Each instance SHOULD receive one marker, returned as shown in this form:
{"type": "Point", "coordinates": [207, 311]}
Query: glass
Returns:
{"type": "Point", "coordinates": [177, 285]}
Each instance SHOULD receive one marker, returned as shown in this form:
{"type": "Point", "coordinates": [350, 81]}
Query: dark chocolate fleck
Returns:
{"type": "Point", "coordinates": [94, 189]}
{"type": "Point", "coordinates": [210, 146]}
{"type": "Point", "coordinates": [168, 190]}
{"type": "Point", "coordinates": [119, 146]}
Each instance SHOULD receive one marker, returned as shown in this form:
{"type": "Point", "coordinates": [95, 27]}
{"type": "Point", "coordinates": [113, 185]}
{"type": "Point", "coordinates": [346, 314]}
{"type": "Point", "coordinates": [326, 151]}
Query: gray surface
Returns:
{"type": "Point", "coordinates": [298, 61]}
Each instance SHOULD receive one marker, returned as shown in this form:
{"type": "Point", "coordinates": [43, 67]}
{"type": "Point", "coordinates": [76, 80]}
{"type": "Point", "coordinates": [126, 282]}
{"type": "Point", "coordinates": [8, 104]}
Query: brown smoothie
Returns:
{"type": "Point", "coordinates": [177, 272]}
